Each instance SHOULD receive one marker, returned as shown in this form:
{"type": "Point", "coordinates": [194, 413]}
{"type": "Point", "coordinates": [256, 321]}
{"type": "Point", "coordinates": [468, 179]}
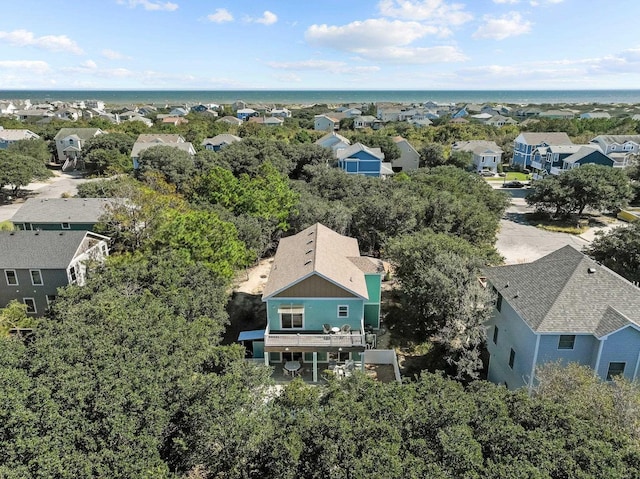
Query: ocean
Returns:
{"type": "Point", "coordinates": [330, 97]}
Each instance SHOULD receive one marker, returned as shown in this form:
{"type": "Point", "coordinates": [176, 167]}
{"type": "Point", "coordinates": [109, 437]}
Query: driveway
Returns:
{"type": "Point", "coordinates": [61, 183]}
{"type": "Point", "coordinates": [519, 242]}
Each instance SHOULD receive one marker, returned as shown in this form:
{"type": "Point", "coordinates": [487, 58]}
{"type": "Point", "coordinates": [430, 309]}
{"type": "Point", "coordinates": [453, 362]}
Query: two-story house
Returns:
{"type": "Point", "coordinates": [60, 213]}
{"type": "Point", "coordinates": [326, 123]}
{"type": "Point", "coordinates": [487, 155]}
{"type": "Point", "coordinates": [69, 143]}
{"type": "Point", "coordinates": [322, 298]}
{"type": "Point", "coordinates": [35, 264]}
{"type": "Point", "coordinates": [526, 143]}
{"type": "Point", "coordinates": [562, 307]}
{"type": "Point", "coordinates": [618, 147]}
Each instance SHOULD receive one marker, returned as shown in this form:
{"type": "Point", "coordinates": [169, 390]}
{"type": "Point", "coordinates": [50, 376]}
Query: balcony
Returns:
{"type": "Point", "coordinates": [555, 171]}
{"type": "Point", "coordinates": [312, 341]}
{"type": "Point", "coordinates": [536, 165]}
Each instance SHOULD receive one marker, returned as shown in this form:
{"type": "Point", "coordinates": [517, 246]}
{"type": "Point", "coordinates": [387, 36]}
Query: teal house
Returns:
{"type": "Point", "coordinates": [322, 300]}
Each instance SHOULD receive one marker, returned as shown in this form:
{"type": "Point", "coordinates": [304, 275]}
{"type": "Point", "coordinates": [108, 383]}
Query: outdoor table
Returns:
{"type": "Point", "coordinates": [335, 329]}
{"type": "Point", "coordinates": [292, 366]}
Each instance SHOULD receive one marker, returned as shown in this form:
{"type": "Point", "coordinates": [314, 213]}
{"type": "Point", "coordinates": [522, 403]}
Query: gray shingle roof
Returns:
{"type": "Point", "coordinates": [82, 133]}
{"type": "Point", "coordinates": [40, 249]}
{"type": "Point", "coordinates": [316, 250]}
{"type": "Point", "coordinates": [550, 138]}
{"type": "Point", "coordinates": [224, 138]}
{"type": "Point", "coordinates": [61, 210]}
{"type": "Point", "coordinates": [568, 292]}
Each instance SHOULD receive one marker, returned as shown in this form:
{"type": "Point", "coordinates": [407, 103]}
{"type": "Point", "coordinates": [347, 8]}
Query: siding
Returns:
{"type": "Point", "coordinates": [513, 333]}
{"type": "Point", "coordinates": [318, 312]}
{"type": "Point", "coordinates": [623, 346]}
{"type": "Point", "coordinates": [582, 352]}
{"type": "Point", "coordinates": [52, 279]}
{"type": "Point", "coordinates": [314, 287]}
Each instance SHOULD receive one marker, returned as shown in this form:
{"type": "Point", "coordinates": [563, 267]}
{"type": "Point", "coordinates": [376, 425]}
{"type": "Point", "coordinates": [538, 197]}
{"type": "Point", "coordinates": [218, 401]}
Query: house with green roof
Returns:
{"type": "Point", "coordinates": [35, 264]}
{"type": "Point", "coordinates": [562, 307]}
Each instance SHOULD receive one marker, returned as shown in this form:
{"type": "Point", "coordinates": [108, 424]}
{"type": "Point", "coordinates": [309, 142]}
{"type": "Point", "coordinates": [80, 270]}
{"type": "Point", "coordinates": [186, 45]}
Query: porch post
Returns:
{"type": "Point", "coordinates": [315, 366]}
{"type": "Point", "coordinates": [266, 358]}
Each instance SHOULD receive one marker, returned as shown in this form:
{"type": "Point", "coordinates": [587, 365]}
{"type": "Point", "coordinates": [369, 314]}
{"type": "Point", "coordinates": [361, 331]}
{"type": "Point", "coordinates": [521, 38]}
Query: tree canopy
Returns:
{"type": "Point", "coordinates": [619, 250]}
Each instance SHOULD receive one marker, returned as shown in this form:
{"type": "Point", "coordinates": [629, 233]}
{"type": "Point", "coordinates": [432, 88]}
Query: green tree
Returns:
{"type": "Point", "coordinates": [35, 148]}
{"type": "Point", "coordinates": [19, 170]}
{"type": "Point", "coordinates": [619, 250]}
{"type": "Point", "coordinates": [177, 166]}
{"type": "Point", "coordinates": [432, 155]}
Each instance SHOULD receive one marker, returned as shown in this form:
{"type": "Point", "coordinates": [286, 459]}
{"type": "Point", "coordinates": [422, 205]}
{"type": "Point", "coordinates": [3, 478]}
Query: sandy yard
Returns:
{"type": "Point", "coordinates": [254, 279]}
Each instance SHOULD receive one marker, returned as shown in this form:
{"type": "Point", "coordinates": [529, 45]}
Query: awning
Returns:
{"type": "Point", "coordinates": [293, 309]}
{"type": "Point", "coordinates": [251, 335]}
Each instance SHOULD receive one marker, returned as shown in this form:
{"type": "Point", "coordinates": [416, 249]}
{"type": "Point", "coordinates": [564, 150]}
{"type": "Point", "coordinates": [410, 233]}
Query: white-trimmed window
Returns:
{"type": "Point", "coordinates": [31, 305]}
{"type": "Point", "coordinates": [11, 277]}
{"type": "Point", "coordinates": [66, 226]}
{"type": "Point", "coordinates": [291, 317]}
{"type": "Point", "coordinates": [343, 311]}
{"type": "Point", "coordinates": [73, 274]}
{"type": "Point", "coordinates": [36, 277]}
{"type": "Point", "coordinates": [566, 341]}
{"type": "Point", "coordinates": [615, 369]}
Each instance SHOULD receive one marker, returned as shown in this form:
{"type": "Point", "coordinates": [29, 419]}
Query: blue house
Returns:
{"type": "Point", "coordinates": [358, 159]}
{"type": "Point", "coordinates": [562, 307]}
{"type": "Point", "coordinates": [527, 142]}
{"type": "Point", "coordinates": [322, 300]}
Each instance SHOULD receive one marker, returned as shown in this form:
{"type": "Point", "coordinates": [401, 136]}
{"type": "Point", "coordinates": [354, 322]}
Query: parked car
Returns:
{"type": "Point", "coordinates": [486, 173]}
{"type": "Point", "coordinates": [514, 184]}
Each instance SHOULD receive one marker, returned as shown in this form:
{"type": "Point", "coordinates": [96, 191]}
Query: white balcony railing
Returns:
{"type": "Point", "coordinates": [338, 340]}
{"type": "Point", "coordinates": [536, 165]}
{"type": "Point", "coordinates": [555, 171]}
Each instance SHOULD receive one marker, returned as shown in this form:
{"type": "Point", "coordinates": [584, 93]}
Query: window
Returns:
{"type": "Point", "coordinates": [73, 274]}
{"type": "Point", "coordinates": [499, 302]}
{"type": "Point", "coordinates": [512, 358]}
{"type": "Point", "coordinates": [12, 278]}
{"type": "Point", "coordinates": [66, 226]}
{"type": "Point", "coordinates": [291, 317]}
{"type": "Point", "coordinates": [50, 299]}
{"type": "Point", "coordinates": [495, 335]}
{"type": "Point", "coordinates": [615, 369]}
{"type": "Point", "coordinates": [36, 277]}
{"type": "Point", "coordinates": [31, 305]}
{"type": "Point", "coordinates": [343, 311]}
{"type": "Point", "coordinates": [566, 341]}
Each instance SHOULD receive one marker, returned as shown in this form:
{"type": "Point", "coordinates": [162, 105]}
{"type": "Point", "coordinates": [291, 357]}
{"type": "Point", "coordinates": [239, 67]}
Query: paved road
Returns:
{"type": "Point", "coordinates": [519, 242]}
{"type": "Point", "coordinates": [61, 183]}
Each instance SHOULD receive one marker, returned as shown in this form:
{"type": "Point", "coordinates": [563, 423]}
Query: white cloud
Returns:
{"type": "Point", "coordinates": [418, 55]}
{"type": "Point", "coordinates": [536, 3]}
{"type": "Point", "coordinates": [499, 28]}
{"type": "Point", "coordinates": [221, 15]}
{"type": "Point", "coordinates": [54, 43]}
{"type": "Point", "coordinates": [268, 18]}
{"type": "Point", "coordinates": [90, 64]}
{"type": "Point", "coordinates": [150, 5]}
{"type": "Point", "coordinates": [436, 12]}
{"type": "Point", "coordinates": [369, 34]}
{"type": "Point", "coordinates": [114, 55]}
{"type": "Point", "coordinates": [323, 65]}
{"type": "Point", "coordinates": [507, 1]}
{"type": "Point", "coordinates": [31, 66]}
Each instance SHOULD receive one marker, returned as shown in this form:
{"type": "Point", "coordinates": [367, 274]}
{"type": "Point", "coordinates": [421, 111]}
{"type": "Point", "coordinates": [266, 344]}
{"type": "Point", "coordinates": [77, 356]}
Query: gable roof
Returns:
{"type": "Point", "coordinates": [550, 138]}
{"type": "Point", "coordinates": [41, 249]}
{"type": "Point", "coordinates": [82, 133]}
{"type": "Point", "coordinates": [331, 139]}
{"type": "Point", "coordinates": [356, 147]}
{"type": "Point", "coordinates": [159, 138]}
{"type": "Point", "coordinates": [321, 251]}
{"type": "Point", "coordinates": [16, 134]}
{"type": "Point", "coordinates": [478, 146]}
{"type": "Point", "coordinates": [586, 152]}
{"type": "Point", "coordinates": [139, 147]}
{"type": "Point", "coordinates": [222, 139]}
{"type": "Point", "coordinates": [616, 139]}
{"type": "Point", "coordinates": [568, 292]}
{"type": "Point", "coordinates": [61, 210]}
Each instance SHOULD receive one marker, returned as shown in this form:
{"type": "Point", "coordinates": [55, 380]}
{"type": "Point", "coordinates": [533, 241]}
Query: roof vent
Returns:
{"type": "Point", "coordinates": [307, 262]}
{"type": "Point", "coordinates": [310, 241]}
{"type": "Point", "coordinates": [591, 270]}
{"type": "Point", "coordinates": [506, 285]}
{"type": "Point", "coordinates": [309, 251]}
{"type": "Point", "coordinates": [517, 294]}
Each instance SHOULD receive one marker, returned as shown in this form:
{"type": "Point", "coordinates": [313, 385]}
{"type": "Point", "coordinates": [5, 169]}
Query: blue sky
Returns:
{"type": "Point", "coordinates": [329, 44]}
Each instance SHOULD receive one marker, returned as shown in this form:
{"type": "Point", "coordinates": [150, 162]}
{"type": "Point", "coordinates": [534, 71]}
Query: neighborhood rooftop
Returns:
{"type": "Point", "coordinates": [59, 210]}
{"type": "Point", "coordinates": [567, 292]}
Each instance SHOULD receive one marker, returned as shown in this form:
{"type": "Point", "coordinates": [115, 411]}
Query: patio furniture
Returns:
{"type": "Point", "coordinates": [326, 328]}
{"type": "Point", "coordinates": [335, 329]}
{"type": "Point", "coordinates": [346, 329]}
{"type": "Point", "coordinates": [292, 367]}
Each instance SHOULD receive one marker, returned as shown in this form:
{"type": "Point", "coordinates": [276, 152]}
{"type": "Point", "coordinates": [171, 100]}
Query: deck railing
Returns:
{"type": "Point", "coordinates": [338, 340]}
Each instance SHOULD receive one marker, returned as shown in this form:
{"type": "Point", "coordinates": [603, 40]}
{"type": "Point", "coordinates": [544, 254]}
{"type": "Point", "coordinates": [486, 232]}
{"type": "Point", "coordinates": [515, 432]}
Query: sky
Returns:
{"type": "Point", "coordinates": [320, 45]}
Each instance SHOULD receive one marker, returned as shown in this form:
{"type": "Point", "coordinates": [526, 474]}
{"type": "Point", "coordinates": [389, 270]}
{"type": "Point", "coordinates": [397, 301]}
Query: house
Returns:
{"type": "Point", "coordinates": [173, 120]}
{"type": "Point", "coordinates": [409, 158]}
{"type": "Point", "coordinates": [325, 123]}
{"type": "Point", "coordinates": [334, 141]}
{"type": "Point", "coordinates": [219, 141]}
{"type": "Point", "coordinates": [487, 155]}
{"type": "Point", "coordinates": [69, 143]}
{"type": "Point", "coordinates": [71, 114]}
{"type": "Point", "coordinates": [548, 160]}
{"type": "Point", "coordinates": [358, 159]}
{"type": "Point", "coordinates": [60, 213]}
{"type": "Point", "coordinates": [281, 112]}
{"type": "Point", "coordinates": [595, 114]}
{"type": "Point", "coordinates": [245, 113]}
{"type": "Point", "coordinates": [557, 114]}
{"type": "Point", "coordinates": [366, 121]}
{"type": "Point", "coordinates": [231, 120]}
{"type": "Point", "coordinates": [95, 104]}
{"type": "Point", "coordinates": [267, 120]}
{"type": "Point", "coordinates": [140, 118]}
{"type": "Point", "coordinates": [499, 121]}
{"type": "Point", "coordinates": [584, 156]}
{"type": "Point", "coordinates": [562, 307]}
{"type": "Point", "coordinates": [36, 263]}
{"type": "Point", "coordinates": [526, 142]}
{"type": "Point", "coordinates": [322, 300]}
{"type": "Point", "coordinates": [149, 140]}
{"type": "Point", "coordinates": [9, 136]}
{"type": "Point", "coordinates": [619, 148]}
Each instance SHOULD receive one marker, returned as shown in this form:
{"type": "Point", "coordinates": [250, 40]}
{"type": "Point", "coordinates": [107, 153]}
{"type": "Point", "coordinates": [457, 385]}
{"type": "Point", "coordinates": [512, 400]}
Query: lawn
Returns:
{"type": "Point", "coordinates": [510, 176]}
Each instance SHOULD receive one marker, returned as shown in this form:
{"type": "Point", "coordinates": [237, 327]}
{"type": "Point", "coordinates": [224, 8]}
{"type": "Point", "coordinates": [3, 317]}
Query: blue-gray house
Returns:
{"type": "Point", "coordinates": [358, 159]}
{"type": "Point", "coordinates": [562, 307]}
{"type": "Point", "coordinates": [526, 143]}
